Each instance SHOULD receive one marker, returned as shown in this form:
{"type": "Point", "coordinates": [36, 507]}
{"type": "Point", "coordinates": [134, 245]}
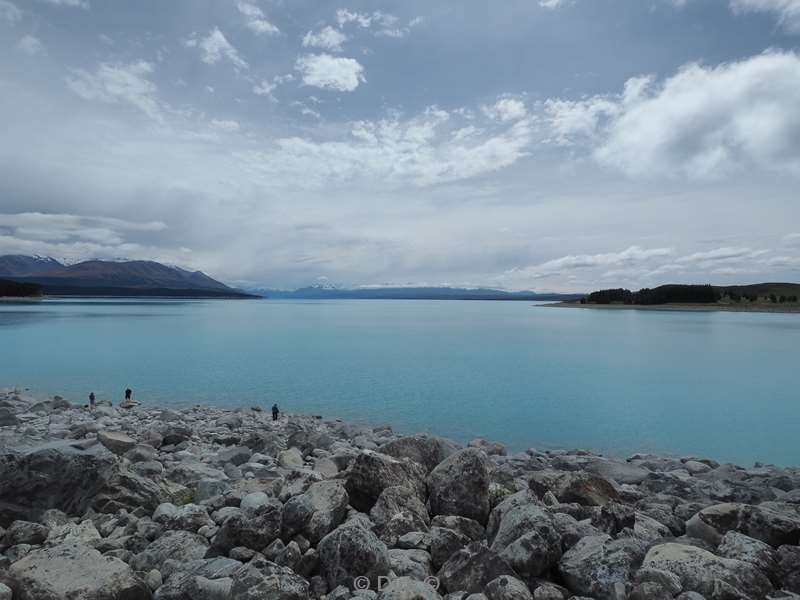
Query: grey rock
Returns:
{"type": "Point", "coordinates": [253, 528]}
{"type": "Point", "coordinates": [25, 532]}
{"type": "Point", "coordinates": [741, 547]}
{"type": "Point", "coordinates": [352, 551]}
{"type": "Point", "coordinates": [177, 545]}
{"type": "Point", "coordinates": [72, 571]}
{"type": "Point", "coordinates": [599, 565]}
{"type": "Point", "coordinates": [527, 538]}
{"type": "Point", "coordinates": [579, 487]}
{"type": "Point", "coordinates": [406, 588]}
{"type": "Point", "coordinates": [460, 486]}
{"type": "Point", "coordinates": [445, 543]}
{"type": "Point", "coordinates": [427, 450]}
{"type": "Point", "coordinates": [317, 511]}
{"type": "Point", "coordinates": [771, 522]}
{"type": "Point", "coordinates": [117, 442]}
{"type": "Point", "coordinates": [506, 587]}
{"type": "Point", "coordinates": [410, 563]}
{"type": "Point", "coordinates": [372, 472]}
{"type": "Point", "coordinates": [703, 572]}
{"type": "Point", "coordinates": [237, 455]}
{"type": "Point", "coordinates": [261, 579]}
{"type": "Point", "coordinates": [788, 568]}
{"type": "Point", "coordinates": [472, 568]}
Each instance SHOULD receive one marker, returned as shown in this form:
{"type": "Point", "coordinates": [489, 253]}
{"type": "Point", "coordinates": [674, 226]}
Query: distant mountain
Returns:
{"type": "Point", "coordinates": [410, 293]}
{"type": "Point", "coordinates": [112, 278]}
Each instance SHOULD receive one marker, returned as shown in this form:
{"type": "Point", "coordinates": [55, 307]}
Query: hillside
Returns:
{"type": "Point", "coordinates": [112, 278]}
{"type": "Point", "coordinates": [13, 289]}
{"type": "Point", "coordinates": [411, 293]}
{"type": "Point", "coordinates": [754, 294]}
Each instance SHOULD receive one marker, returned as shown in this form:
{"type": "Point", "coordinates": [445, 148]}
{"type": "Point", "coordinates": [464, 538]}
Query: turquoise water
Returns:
{"type": "Point", "coordinates": [723, 385]}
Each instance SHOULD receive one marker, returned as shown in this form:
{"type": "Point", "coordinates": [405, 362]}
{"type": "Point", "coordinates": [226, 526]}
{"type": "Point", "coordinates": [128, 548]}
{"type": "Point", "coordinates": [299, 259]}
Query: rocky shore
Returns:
{"type": "Point", "coordinates": [212, 504]}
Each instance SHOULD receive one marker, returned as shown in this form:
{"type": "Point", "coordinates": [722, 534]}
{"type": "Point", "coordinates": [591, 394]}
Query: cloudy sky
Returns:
{"type": "Point", "coordinates": [525, 144]}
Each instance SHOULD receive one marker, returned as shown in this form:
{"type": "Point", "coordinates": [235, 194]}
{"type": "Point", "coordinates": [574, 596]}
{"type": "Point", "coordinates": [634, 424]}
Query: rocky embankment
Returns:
{"type": "Point", "coordinates": [209, 504]}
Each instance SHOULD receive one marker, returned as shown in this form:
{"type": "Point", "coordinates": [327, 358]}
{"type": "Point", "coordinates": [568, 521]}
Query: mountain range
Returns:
{"type": "Point", "coordinates": [112, 278]}
{"type": "Point", "coordinates": [328, 292]}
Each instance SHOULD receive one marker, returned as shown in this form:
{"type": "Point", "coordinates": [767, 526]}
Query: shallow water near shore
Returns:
{"type": "Point", "coordinates": [722, 385]}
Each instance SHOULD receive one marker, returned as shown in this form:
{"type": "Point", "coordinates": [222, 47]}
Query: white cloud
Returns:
{"type": "Point", "coordinates": [702, 122]}
{"type": "Point", "coordinates": [69, 3]}
{"type": "Point", "coordinates": [330, 72]}
{"type": "Point", "coordinates": [718, 255]}
{"type": "Point", "coordinates": [792, 239]}
{"type": "Point", "coordinates": [327, 38]}
{"type": "Point", "coordinates": [215, 48]}
{"type": "Point", "coordinates": [344, 16]}
{"type": "Point", "coordinates": [119, 84]}
{"type": "Point", "coordinates": [506, 109]}
{"type": "Point", "coordinates": [551, 3]}
{"type": "Point", "coordinates": [224, 125]}
{"type": "Point", "coordinates": [256, 20]}
{"type": "Point", "coordinates": [787, 11]}
{"type": "Point", "coordinates": [9, 12]}
{"type": "Point", "coordinates": [384, 24]}
{"type": "Point", "coordinates": [30, 45]}
{"type": "Point", "coordinates": [627, 257]}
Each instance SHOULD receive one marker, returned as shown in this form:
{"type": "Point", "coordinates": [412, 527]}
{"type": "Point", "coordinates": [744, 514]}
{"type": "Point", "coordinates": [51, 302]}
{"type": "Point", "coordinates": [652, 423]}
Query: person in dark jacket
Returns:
{"type": "Point", "coordinates": [91, 400]}
{"type": "Point", "coordinates": [275, 412]}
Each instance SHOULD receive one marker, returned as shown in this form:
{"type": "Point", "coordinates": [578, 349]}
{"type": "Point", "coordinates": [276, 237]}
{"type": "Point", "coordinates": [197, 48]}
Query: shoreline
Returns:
{"type": "Point", "coordinates": [154, 503]}
{"type": "Point", "coordinates": [681, 307]}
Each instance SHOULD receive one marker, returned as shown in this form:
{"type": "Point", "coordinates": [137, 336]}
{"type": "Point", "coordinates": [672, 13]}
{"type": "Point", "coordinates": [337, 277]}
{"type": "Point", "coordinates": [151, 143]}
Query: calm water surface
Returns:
{"type": "Point", "coordinates": [723, 385]}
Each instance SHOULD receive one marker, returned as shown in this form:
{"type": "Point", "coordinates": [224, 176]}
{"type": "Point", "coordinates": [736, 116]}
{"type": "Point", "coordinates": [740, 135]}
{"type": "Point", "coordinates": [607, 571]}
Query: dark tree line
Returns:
{"type": "Point", "coordinates": [19, 290]}
{"type": "Point", "coordinates": [665, 294]}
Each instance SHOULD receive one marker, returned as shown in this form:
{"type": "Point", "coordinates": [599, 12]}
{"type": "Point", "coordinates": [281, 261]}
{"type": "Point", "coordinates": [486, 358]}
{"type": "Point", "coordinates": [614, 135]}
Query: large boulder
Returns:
{"type": "Point", "coordinates": [70, 480]}
{"type": "Point", "coordinates": [599, 566]}
{"type": "Point", "coordinates": [705, 573]}
{"type": "Point", "coordinates": [406, 588]}
{"type": "Point", "coordinates": [73, 571]}
{"type": "Point", "coordinates": [317, 511]}
{"type": "Point", "coordinates": [261, 579]}
{"type": "Point", "coordinates": [395, 501]}
{"type": "Point", "coordinates": [773, 523]}
{"type": "Point", "coordinates": [742, 547]}
{"type": "Point", "coordinates": [788, 568]}
{"type": "Point", "coordinates": [116, 441]}
{"type": "Point", "coordinates": [253, 528]}
{"type": "Point", "coordinates": [372, 472]}
{"type": "Point", "coordinates": [427, 450]}
{"type": "Point", "coordinates": [506, 587]}
{"type": "Point", "coordinates": [181, 577]}
{"type": "Point", "coordinates": [173, 545]}
{"type": "Point", "coordinates": [521, 498]}
{"type": "Point", "coordinates": [460, 486]}
{"type": "Point", "coordinates": [528, 539]}
{"type": "Point", "coordinates": [472, 568]}
{"type": "Point", "coordinates": [578, 487]}
{"type": "Point", "coordinates": [352, 551]}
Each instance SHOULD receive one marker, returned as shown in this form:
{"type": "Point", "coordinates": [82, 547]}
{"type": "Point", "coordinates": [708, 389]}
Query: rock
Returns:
{"type": "Point", "coordinates": [326, 467]}
{"type": "Point", "coordinates": [5, 592]}
{"type": "Point", "coordinates": [291, 459]}
{"type": "Point", "coordinates": [180, 578]}
{"type": "Point", "coordinates": [25, 532]}
{"type": "Point", "coordinates": [472, 568]}
{"type": "Point", "coordinates": [528, 540]}
{"type": "Point", "coordinates": [176, 545]}
{"type": "Point", "coordinates": [410, 563]}
{"type": "Point", "coordinates": [141, 453]}
{"type": "Point", "coordinates": [506, 587]}
{"type": "Point", "coordinates": [788, 568]}
{"type": "Point", "coordinates": [771, 522]}
{"type": "Point", "coordinates": [253, 528]}
{"type": "Point", "coordinates": [317, 511]}
{"type": "Point", "coordinates": [117, 442]}
{"type": "Point", "coordinates": [395, 500]}
{"type": "Point", "coordinates": [8, 418]}
{"type": "Point", "coordinates": [153, 579]}
{"type": "Point", "coordinates": [175, 433]}
{"type": "Point", "coordinates": [406, 588]}
{"type": "Point", "coordinates": [71, 533]}
{"type": "Point", "coordinates": [460, 486]}
{"type": "Point", "coordinates": [667, 581]}
{"type": "Point", "coordinates": [521, 498]}
{"type": "Point", "coordinates": [598, 565]}
{"type": "Point", "coordinates": [427, 450]}
{"type": "Point", "coordinates": [253, 500]}
{"type": "Point", "coordinates": [468, 527]}
{"type": "Point", "coordinates": [208, 488]}
{"type": "Point", "coordinates": [579, 487]}
{"type": "Point", "coordinates": [702, 572]}
{"type": "Point", "coordinates": [72, 571]}
{"type": "Point", "coordinates": [372, 472]}
{"type": "Point", "coordinates": [231, 420]}
{"type": "Point", "coordinates": [352, 551]}
{"type": "Point", "coordinates": [237, 455]}
{"type": "Point", "coordinates": [445, 543]}
{"type": "Point", "coordinates": [741, 547]}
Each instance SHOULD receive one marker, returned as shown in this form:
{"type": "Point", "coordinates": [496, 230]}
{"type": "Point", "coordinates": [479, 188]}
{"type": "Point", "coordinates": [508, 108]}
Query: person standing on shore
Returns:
{"type": "Point", "coordinates": [128, 395]}
{"type": "Point", "coordinates": [91, 401]}
{"type": "Point", "coordinates": [275, 412]}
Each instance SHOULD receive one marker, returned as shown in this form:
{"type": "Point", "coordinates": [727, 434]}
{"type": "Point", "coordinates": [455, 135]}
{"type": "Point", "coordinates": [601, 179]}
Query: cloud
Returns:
{"type": "Point", "coordinates": [9, 12]}
{"type": "Point", "coordinates": [506, 109]}
{"type": "Point", "coordinates": [792, 239]}
{"type": "Point", "coordinates": [421, 151]}
{"type": "Point", "coordinates": [68, 3]}
{"type": "Point", "coordinates": [382, 23]}
{"type": "Point", "coordinates": [330, 72]}
{"type": "Point", "coordinates": [703, 122]}
{"type": "Point", "coordinates": [721, 255]}
{"type": "Point", "coordinates": [629, 256]}
{"type": "Point", "coordinates": [787, 11]}
{"type": "Point", "coordinates": [256, 20]}
{"type": "Point", "coordinates": [327, 38]}
{"type": "Point", "coordinates": [551, 3]}
{"type": "Point", "coordinates": [73, 237]}
{"type": "Point", "coordinates": [30, 45]}
{"type": "Point", "coordinates": [119, 84]}
{"type": "Point", "coordinates": [225, 125]}
{"type": "Point", "coordinates": [215, 48]}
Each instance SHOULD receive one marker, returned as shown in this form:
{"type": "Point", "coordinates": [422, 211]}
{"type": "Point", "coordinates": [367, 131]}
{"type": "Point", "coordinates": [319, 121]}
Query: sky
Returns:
{"type": "Point", "coordinates": [548, 145]}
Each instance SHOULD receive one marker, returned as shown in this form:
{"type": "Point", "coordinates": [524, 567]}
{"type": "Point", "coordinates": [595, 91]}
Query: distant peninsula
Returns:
{"type": "Point", "coordinates": [102, 278]}
{"type": "Point", "coordinates": [759, 297]}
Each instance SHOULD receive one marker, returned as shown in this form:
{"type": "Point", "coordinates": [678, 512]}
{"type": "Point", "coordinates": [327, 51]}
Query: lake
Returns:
{"type": "Point", "coordinates": [721, 385]}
